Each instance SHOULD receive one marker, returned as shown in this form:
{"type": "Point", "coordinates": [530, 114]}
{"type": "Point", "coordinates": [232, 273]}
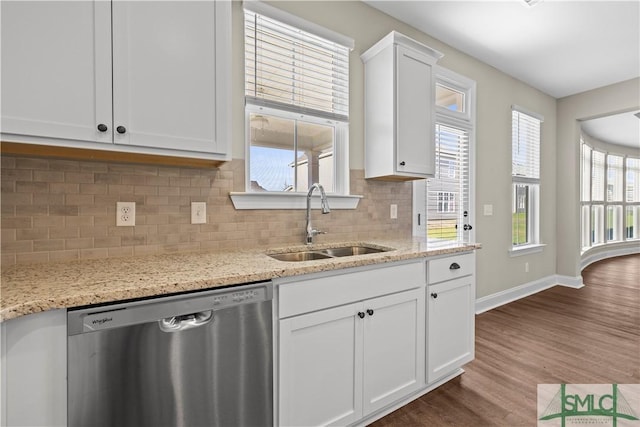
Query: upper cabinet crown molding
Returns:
{"type": "Point", "coordinates": [136, 77]}
{"type": "Point", "coordinates": [395, 37]}
{"type": "Point", "coordinates": [399, 109]}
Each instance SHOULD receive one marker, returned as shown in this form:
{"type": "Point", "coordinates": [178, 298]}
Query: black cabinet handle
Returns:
{"type": "Point", "coordinates": [121, 129]}
{"type": "Point", "coordinates": [454, 266]}
{"type": "Point", "coordinates": [370, 312]}
{"type": "Point", "coordinates": [402, 163]}
{"type": "Point", "coordinates": [361, 315]}
{"type": "Point", "coordinates": [434, 295]}
{"type": "Point", "coordinates": [102, 127]}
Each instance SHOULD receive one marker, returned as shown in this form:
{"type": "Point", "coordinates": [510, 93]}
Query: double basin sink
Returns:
{"type": "Point", "coordinates": [335, 252]}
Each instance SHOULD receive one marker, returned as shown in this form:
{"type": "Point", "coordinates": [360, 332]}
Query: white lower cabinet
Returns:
{"type": "Point", "coordinates": [321, 368]}
{"type": "Point", "coordinates": [338, 365]}
{"type": "Point", "coordinates": [451, 317]}
{"type": "Point", "coordinates": [33, 370]}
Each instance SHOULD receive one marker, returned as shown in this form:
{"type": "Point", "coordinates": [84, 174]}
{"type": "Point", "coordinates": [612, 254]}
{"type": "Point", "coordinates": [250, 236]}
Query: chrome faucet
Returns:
{"type": "Point", "coordinates": [324, 204]}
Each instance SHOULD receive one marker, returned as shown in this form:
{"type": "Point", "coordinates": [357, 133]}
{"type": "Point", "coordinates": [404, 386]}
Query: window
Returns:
{"type": "Point", "coordinates": [441, 204]}
{"type": "Point", "coordinates": [614, 178]}
{"type": "Point", "coordinates": [525, 176]}
{"type": "Point", "coordinates": [610, 197]}
{"type": "Point", "coordinates": [297, 104]}
{"type": "Point", "coordinates": [597, 177]}
{"type": "Point", "coordinates": [450, 98]}
{"type": "Point", "coordinates": [446, 202]}
{"type": "Point", "coordinates": [586, 173]}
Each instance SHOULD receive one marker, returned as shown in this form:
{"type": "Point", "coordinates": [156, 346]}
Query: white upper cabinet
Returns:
{"type": "Point", "coordinates": [56, 70]}
{"type": "Point", "coordinates": [399, 109]}
{"type": "Point", "coordinates": [143, 77]}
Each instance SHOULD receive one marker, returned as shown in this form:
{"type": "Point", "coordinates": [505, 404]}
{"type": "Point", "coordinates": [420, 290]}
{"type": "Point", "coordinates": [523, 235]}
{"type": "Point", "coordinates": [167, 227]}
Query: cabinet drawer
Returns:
{"type": "Point", "coordinates": [304, 296]}
{"type": "Point", "coordinates": [451, 267]}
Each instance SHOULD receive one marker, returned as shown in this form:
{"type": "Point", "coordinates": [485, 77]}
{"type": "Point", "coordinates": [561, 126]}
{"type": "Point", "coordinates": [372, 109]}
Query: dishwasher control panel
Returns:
{"type": "Point", "coordinates": [118, 315]}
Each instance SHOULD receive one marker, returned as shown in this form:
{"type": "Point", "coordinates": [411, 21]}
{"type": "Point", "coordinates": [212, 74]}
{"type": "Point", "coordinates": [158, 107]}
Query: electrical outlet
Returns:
{"type": "Point", "coordinates": [198, 212]}
{"type": "Point", "coordinates": [394, 212]}
{"type": "Point", "coordinates": [526, 267]}
{"type": "Point", "coordinates": [125, 214]}
{"type": "Point", "coordinates": [488, 210]}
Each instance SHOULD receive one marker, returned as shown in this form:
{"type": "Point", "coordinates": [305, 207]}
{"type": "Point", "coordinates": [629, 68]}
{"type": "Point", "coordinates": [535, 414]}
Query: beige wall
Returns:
{"type": "Point", "coordinates": [617, 98]}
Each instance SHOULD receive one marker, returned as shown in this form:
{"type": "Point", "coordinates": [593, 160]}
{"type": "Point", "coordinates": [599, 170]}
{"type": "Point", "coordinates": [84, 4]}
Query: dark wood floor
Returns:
{"type": "Point", "coordinates": [561, 335]}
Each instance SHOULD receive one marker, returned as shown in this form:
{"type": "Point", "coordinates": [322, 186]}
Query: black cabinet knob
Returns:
{"type": "Point", "coordinates": [434, 295]}
{"type": "Point", "coordinates": [467, 227]}
{"type": "Point", "coordinates": [102, 127]}
{"type": "Point", "coordinates": [454, 266]}
{"type": "Point", "coordinates": [402, 163]}
{"type": "Point", "coordinates": [121, 129]}
{"type": "Point", "coordinates": [361, 315]}
{"type": "Point", "coordinates": [370, 312]}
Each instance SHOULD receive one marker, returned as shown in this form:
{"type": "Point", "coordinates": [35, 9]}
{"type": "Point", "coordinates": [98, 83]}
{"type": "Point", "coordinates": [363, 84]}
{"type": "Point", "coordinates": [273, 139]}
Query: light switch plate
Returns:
{"type": "Point", "coordinates": [488, 210]}
{"type": "Point", "coordinates": [198, 212]}
{"type": "Point", "coordinates": [394, 212]}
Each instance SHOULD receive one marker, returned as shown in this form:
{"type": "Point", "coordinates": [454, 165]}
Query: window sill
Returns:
{"type": "Point", "coordinates": [290, 201]}
{"type": "Point", "coordinates": [526, 250]}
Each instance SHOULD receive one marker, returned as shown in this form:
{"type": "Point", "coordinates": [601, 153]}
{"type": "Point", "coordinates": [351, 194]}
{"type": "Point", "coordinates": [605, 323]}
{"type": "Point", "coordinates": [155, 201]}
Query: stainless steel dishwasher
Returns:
{"type": "Point", "coordinates": [200, 359]}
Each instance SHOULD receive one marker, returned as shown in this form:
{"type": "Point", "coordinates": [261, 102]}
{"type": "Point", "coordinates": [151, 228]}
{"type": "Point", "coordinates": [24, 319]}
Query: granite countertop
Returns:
{"type": "Point", "coordinates": [32, 288]}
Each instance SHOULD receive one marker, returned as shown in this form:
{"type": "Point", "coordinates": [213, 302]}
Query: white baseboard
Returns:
{"type": "Point", "coordinates": [634, 248]}
{"type": "Point", "coordinates": [513, 294]}
{"type": "Point", "coordinates": [569, 282]}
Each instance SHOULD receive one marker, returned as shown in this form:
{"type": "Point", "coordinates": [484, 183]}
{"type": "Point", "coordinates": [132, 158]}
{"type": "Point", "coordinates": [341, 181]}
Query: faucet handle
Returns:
{"type": "Point", "coordinates": [316, 232]}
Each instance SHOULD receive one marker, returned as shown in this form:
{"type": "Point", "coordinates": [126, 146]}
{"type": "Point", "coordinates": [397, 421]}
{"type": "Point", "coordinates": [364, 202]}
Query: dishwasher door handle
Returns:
{"type": "Point", "coordinates": [185, 321]}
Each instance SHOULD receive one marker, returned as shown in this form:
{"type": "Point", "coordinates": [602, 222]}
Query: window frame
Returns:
{"type": "Point", "coordinates": [340, 198]}
{"type": "Point", "coordinates": [465, 121]}
{"type": "Point", "coordinates": [534, 243]}
{"type": "Point", "coordinates": [597, 212]}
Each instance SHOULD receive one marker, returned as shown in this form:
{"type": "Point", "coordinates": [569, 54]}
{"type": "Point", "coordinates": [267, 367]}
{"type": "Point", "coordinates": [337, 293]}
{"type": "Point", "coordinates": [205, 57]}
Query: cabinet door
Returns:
{"type": "Point", "coordinates": [56, 70]}
{"type": "Point", "coordinates": [320, 368]}
{"type": "Point", "coordinates": [451, 323]}
{"type": "Point", "coordinates": [393, 348]}
{"type": "Point", "coordinates": [165, 73]}
{"type": "Point", "coordinates": [34, 370]}
{"type": "Point", "coordinates": [414, 113]}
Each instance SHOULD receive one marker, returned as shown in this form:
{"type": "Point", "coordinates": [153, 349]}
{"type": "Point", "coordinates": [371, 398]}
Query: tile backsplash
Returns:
{"type": "Point", "coordinates": [57, 210]}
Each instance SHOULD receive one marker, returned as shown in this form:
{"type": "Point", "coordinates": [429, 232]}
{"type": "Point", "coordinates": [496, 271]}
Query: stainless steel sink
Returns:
{"type": "Point", "coordinates": [299, 256]}
{"type": "Point", "coordinates": [351, 250]}
{"type": "Point", "coordinates": [337, 252]}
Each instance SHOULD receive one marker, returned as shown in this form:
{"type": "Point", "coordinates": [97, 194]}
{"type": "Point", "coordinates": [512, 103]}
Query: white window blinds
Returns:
{"type": "Point", "coordinates": [633, 180]}
{"type": "Point", "coordinates": [525, 148]}
{"type": "Point", "coordinates": [448, 191]}
{"type": "Point", "coordinates": [614, 178]}
{"type": "Point", "coordinates": [597, 176]}
{"type": "Point", "coordinates": [292, 69]}
{"type": "Point", "coordinates": [586, 173]}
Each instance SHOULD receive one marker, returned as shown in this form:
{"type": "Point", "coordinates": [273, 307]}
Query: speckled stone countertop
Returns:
{"type": "Point", "coordinates": [33, 288]}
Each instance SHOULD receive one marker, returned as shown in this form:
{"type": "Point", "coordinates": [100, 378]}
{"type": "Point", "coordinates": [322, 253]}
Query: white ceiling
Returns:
{"type": "Point", "coordinates": [559, 47]}
{"type": "Point", "coordinates": [621, 129]}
